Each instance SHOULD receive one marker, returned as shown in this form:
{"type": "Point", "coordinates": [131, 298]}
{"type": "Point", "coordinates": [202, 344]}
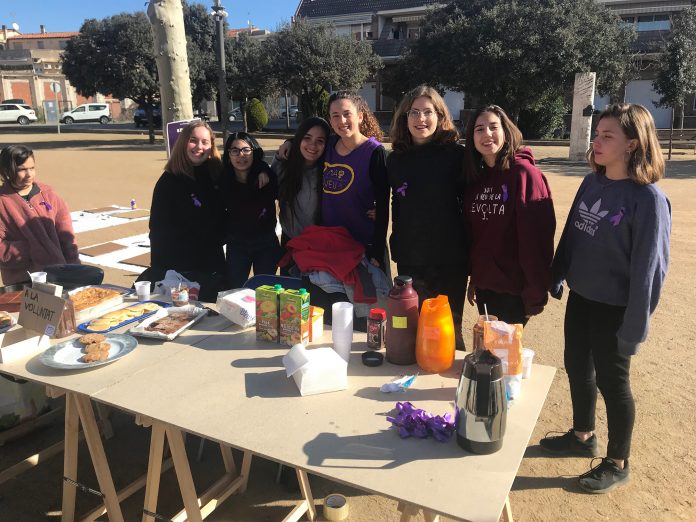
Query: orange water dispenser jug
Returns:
{"type": "Point", "coordinates": [435, 338]}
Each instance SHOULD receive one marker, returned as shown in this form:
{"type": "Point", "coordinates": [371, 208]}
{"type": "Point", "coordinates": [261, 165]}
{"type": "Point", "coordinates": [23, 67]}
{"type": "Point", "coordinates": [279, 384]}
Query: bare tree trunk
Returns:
{"type": "Point", "coordinates": [671, 134]}
{"type": "Point", "coordinates": [167, 20]}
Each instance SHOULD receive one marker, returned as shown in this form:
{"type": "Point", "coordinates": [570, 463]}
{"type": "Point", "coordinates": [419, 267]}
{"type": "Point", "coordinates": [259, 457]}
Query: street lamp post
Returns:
{"type": "Point", "coordinates": [220, 14]}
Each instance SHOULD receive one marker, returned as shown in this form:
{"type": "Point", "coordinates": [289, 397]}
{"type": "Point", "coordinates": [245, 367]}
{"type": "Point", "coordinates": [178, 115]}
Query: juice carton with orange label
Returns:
{"type": "Point", "coordinates": [267, 312]}
{"type": "Point", "coordinates": [294, 317]}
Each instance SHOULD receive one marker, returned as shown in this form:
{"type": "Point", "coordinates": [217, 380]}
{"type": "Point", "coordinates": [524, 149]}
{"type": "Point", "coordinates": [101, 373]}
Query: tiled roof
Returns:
{"type": "Point", "coordinates": [34, 36]}
{"type": "Point", "coordinates": [321, 8]}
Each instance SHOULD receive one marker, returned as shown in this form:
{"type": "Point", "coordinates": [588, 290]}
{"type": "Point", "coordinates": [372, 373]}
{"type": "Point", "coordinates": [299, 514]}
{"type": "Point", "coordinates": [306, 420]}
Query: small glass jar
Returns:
{"type": "Point", "coordinates": [478, 331]}
{"type": "Point", "coordinates": [180, 296]}
{"type": "Point", "coordinates": [66, 325]}
{"type": "Point", "coordinates": [376, 328]}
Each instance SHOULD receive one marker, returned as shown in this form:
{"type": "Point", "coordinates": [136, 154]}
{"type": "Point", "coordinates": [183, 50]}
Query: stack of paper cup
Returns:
{"type": "Point", "coordinates": [38, 277]}
{"type": "Point", "coordinates": [527, 358]}
{"type": "Point", "coordinates": [342, 328]}
{"type": "Point", "coordinates": [142, 288]}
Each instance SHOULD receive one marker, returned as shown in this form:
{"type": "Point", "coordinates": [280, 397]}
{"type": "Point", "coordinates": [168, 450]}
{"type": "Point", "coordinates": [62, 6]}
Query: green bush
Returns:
{"type": "Point", "coordinates": [543, 120]}
{"type": "Point", "coordinates": [257, 117]}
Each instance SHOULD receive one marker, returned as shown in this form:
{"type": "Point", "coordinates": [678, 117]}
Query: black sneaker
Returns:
{"type": "Point", "coordinates": [569, 444]}
{"type": "Point", "coordinates": [604, 477]}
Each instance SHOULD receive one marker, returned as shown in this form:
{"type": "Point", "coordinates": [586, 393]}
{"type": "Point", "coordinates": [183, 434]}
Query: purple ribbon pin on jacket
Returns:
{"type": "Point", "coordinates": [402, 189]}
{"type": "Point", "coordinates": [196, 201]}
{"type": "Point", "coordinates": [46, 204]}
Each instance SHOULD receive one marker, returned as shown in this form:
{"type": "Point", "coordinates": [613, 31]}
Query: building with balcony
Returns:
{"type": "Point", "coordinates": [390, 24]}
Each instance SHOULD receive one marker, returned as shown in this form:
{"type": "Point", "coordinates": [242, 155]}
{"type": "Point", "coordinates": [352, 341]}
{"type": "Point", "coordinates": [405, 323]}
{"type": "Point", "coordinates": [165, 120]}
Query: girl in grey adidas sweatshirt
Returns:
{"type": "Point", "coordinates": [613, 253]}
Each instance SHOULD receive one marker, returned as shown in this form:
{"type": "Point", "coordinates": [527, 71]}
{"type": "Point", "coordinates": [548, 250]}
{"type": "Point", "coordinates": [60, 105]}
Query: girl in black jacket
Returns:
{"type": "Point", "coordinates": [425, 175]}
{"type": "Point", "coordinates": [251, 209]}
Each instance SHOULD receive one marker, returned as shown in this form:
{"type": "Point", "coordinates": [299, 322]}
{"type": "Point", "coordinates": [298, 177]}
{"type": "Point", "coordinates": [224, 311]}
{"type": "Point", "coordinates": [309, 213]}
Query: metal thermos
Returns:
{"type": "Point", "coordinates": [481, 404]}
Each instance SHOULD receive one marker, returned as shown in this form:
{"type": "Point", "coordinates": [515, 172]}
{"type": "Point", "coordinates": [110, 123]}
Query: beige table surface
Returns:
{"type": "Point", "coordinates": [233, 390]}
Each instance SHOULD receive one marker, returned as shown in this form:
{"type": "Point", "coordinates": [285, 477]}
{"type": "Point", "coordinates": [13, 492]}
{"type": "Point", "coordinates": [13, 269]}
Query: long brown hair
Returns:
{"type": "Point", "coordinates": [444, 133]}
{"type": "Point", "coordinates": [506, 154]}
{"type": "Point", "coordinates": [179, 163]}
{"type": "Point", "coordinates": [645, 163]}
{"type": "Point", "coordinates": [369, 126]}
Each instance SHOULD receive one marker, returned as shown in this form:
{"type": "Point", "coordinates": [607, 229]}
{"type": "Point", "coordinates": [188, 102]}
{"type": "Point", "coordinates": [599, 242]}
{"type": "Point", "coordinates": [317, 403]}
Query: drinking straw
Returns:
{"type": "Point", "coordinates": [485, 309]}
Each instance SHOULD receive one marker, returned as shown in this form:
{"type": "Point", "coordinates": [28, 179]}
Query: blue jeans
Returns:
{"type": "Point", "coordinates": [242, 254]}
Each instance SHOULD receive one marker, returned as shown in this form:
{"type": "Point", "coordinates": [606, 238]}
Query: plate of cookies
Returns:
{"type": "Point", "coordinates": [88, 351]}
{"type": "Point", "coordinates": [118, 318]}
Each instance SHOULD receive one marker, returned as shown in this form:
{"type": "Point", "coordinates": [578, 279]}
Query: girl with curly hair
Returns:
{"type": "Point", "coordinates": [355, 178]}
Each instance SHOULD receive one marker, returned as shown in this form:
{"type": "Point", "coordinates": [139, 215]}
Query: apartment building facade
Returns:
{"type": "Point", "coordinates": [389, 24]}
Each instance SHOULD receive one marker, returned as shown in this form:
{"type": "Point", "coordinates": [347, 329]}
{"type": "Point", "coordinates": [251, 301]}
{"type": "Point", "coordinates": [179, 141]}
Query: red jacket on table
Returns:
{"type": "Point", "coordinates": [511, 224]}
{"type": "Point", "coordinates": [331, 250]}
{"type": "Point", "coordinates": [33, 234]}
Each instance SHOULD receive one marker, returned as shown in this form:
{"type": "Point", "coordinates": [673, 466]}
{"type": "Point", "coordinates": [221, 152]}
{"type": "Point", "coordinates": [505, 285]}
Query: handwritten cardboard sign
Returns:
{"type": "Point", "coordinates": [40, 311]}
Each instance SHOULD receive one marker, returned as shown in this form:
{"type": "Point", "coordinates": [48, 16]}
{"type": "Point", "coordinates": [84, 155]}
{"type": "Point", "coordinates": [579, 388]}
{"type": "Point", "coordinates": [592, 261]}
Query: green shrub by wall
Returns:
{"type": "Point", "coordinates": [257, 117]}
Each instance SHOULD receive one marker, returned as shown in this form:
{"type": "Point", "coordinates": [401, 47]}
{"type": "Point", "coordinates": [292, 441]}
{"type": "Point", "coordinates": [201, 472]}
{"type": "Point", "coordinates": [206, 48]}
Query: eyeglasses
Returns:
{"type": "Point", "coordinates": [415, 114]}
{"type": "Point", "coordinates": [243, 151]}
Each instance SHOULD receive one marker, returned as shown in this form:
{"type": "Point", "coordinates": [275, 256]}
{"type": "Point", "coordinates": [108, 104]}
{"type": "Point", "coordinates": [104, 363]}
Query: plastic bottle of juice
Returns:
{"type": "Point", "coordinates": [402, 321]}
{"type": "Point", "coordinates": [435, 338]}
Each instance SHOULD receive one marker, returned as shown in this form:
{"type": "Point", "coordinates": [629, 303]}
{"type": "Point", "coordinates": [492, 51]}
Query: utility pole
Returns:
{"type": "Point", "coordinates": [220, 14]}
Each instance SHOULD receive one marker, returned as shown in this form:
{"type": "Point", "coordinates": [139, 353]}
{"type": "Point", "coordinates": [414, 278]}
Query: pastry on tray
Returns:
{"type": "Point", "coordinates": [92, 296]}
{"type": "Point", "coordinates": [5, 320]}
{"type": "Point", "coordinates": [111, 319]}
{"type": "Point", "coordinates": [92, 338]}
{"type": "Point", "coordinates": [99, 355]}
{"type": "Point", "coordinates": [171, 323]}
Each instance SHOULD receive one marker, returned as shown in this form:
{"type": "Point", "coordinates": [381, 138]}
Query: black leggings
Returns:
{"type": "Point", "coordinates": [593, 362]}
{"type": "Point", "coordinates": [506, 307]}
{"type": "Point", "coordinates": [449, 280]}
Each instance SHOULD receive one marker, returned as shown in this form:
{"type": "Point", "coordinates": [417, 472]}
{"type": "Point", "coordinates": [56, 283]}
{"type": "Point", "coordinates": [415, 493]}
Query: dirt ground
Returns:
{"type": "Point", "coordinates": [91, 170]}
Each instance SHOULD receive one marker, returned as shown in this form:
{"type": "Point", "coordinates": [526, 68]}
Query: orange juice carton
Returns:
{"type": "Point", "coordinates": [294, 317]}
{"type": "Point", "coordinates": [267, 312]}
{"type": "Point", "coordinates": [316, 323]}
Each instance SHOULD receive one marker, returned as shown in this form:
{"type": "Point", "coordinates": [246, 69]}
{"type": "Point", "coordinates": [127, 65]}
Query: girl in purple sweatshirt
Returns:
{"type": "Point", "coordinates": [613, 253]}
{"type": "Point", "coordinates": [510, 218]}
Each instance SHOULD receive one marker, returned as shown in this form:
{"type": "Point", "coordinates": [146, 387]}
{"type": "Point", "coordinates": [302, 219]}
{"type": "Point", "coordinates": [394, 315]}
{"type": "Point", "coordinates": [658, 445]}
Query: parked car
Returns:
{"type": "Point", "coordinates": [235, 114]}
{"type": "Point", "coordinates": [17, 113]}
{"type": "Point", "coordinates": [87, 112]}
{"type": "Point", "coordinates": [293, 111]}
{"type": "Point", "coordinates": [15, 100]}
{"type": "Point", "coordinates": [140, 116]}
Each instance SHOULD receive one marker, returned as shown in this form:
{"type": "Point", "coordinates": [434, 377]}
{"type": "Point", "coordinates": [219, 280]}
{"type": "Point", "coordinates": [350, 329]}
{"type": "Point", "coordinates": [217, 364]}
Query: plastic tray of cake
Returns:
{"type": "Point", "coordinates": [123, 316]}
{"type": "Point", "coordinates": [168, 323]}
{"type": "Point", "coordinates": [94, 300]}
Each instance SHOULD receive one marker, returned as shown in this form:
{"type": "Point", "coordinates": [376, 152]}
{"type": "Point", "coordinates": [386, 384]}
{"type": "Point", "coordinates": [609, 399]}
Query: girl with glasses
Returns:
{"type": "Point", "coordinates": [187, 212]}
{"type": "Point", "coordinates": [425, 171]}
{"type": "Point", "coordinates": [510, 217]}
{"type": "Point", "coordinates": [613, 253]}
{"type": "Point", "coordinates": [250, 189]}
{"type": "Point", "coordinates": [35, 225]}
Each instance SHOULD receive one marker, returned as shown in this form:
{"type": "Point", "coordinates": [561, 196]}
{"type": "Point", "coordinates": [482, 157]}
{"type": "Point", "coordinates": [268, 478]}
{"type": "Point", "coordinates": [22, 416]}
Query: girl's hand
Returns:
{"type": "Point", "coordinates": [284, 151]}
{"type": "Point", "coordinates": [263, 180]}
{"type": "Point", "coordinates": [471, 294]}
{"type": "Point", "coordinates": [372, 214]}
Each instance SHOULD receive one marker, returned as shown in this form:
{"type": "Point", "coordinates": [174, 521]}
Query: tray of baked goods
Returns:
{"type": "Point", "coordinates": [6, 321]}
{"type": "Point", "coordinates": [168, 323]}
{"type": "Point", "coordinates": [11, 297]}
{"type": "Point", "coordinates": [92, 301]}
{"type": "Point", "coordinates": [121, 317]}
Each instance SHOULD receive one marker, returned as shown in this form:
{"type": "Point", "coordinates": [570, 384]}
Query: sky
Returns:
{"type": "Point", "coordinates": [68, 15]}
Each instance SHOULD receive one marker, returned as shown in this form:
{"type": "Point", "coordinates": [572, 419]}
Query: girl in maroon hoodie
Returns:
{"type": "Point", "coordinates": [510, 217]}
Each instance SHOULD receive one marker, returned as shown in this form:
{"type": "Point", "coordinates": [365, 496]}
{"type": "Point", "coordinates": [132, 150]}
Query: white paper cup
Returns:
{"type": "Point", "coordinates": [342, 328]}
{"type": "Point", "coordinates": [527, 358]}
{"type": "Point", "coordinates": [38, 277]}
{"type": "Point", "coordinates": [142, 288]}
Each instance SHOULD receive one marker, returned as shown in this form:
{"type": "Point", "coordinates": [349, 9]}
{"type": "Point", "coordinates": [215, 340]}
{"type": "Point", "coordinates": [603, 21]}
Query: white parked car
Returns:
{"type": "Point", "coordinates": [16, 113]}
{"type": "Point", "coordinates": [87, 112]}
